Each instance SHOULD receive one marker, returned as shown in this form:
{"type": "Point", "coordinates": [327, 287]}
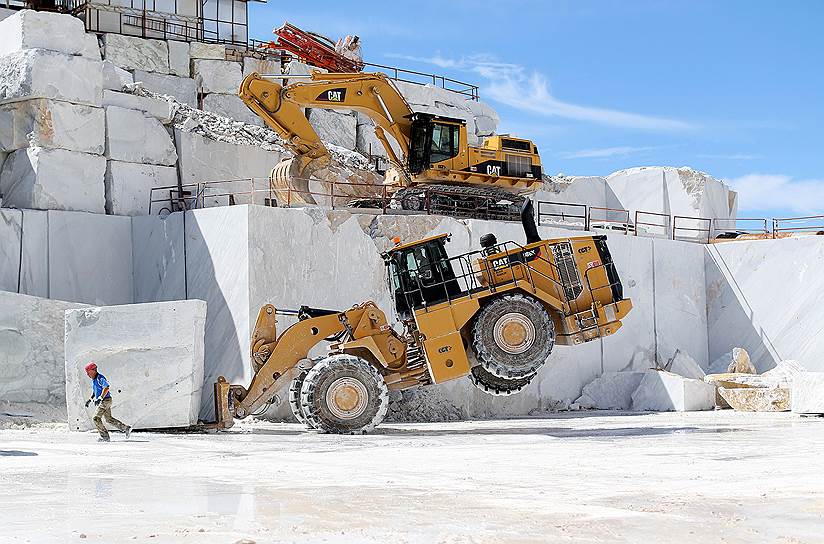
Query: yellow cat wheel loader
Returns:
{"type": "Point", "coordinates": [493, 314]}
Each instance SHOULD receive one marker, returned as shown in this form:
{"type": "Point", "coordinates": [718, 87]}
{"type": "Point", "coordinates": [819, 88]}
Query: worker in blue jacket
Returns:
{"type": "Point", "coordinates": [102, 398]}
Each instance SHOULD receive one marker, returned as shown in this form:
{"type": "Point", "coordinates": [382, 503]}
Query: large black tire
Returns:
{"type": "Point", "coordinates": [344, 394]}
{"type": "Point", "coordinates": [294, 393]}
{"type": "Point", "coordinates": [512, 336]}
{"type": "Point", "coordinates": [493, 385]}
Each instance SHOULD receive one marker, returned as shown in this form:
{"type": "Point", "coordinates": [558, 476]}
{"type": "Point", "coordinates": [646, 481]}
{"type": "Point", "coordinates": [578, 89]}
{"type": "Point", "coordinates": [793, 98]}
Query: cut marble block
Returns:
{"type": "Point", "coordinates": [131, 53]}
{"type": "Point", "coordinates": [24, 252]}
{"type": "Point", "coordinates": [182, 88]}
{"type": "Point", "coordinates": [231, 106]}
{"type": "Point", "coordinates": [31, 349]}
{"type": "Point", "coordinates": [5, 13]}
{"type": "Point", "coordinates": [203, 159]}
{"type": "Point", "coordinates": [179, 58]}
{"type": "Point", "coordinates": [663, 391]}
{"type": "Point", "coordinates": [367, 143]}
{"type": "Point", "coordinates": [38, 73]}
{"type": "Point", "coordinates": [756, 399]}
{"type": "Point", "coordinates": [115, 78]}
{"type": "Point", "coordinates": [91, 47]}
{"type": "Point", "coordinates": [129, 185]}
{"type": "Point", "coordinates": [684, 365]}
{"type": "Point", "coordinates": [28, 29]}
{"type": "Point", "coordinates": [611, 391]}
{"type": "Point", "coordinates": [213, 51]}
{"type": "Point", "coordinates": [158, 258]}
{"type": "Point", "coordinates": [153, 107]}
{"type": "Point", "coordinates": [589, 190]}
{"type": "Point", "coordinates": [10, 240]}
{"type": "Point", "coordinates": [151, 355]}
{"type": "Point", "coordinates": [808, 393]}
{"type": "Point", "coordinates": [261, 66]}
{"type": "Point", "coordinates": [334, 127]}
{"type": "Point", "coordinates": [767, 296]}
{"type": "Point", "coordinates": [132, 136]}
{"type": "Point", "coordinates": [53, 179]}
{"type": "Point", "coordinates": [217, 76]}
{"type": "Point", "coordinates": [90, 258]}
{"type": "Point", "coordinates": [52, 124]}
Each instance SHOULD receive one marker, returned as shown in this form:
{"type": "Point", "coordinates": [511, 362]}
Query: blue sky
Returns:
{"type": "Point", "coordinates": [733, 88]}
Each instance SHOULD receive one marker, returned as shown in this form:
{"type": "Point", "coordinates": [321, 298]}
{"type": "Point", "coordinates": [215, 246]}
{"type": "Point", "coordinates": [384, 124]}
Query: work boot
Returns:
{"type": "Point", "coordinates": [103, 439]}
{"type": "Point", "coordinates": [128, 431]}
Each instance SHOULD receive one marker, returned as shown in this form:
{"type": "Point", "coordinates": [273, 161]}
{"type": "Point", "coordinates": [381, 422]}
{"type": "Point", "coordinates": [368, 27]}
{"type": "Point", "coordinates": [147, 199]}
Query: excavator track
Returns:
{"type": "Point", "coordinates": [460, 201]}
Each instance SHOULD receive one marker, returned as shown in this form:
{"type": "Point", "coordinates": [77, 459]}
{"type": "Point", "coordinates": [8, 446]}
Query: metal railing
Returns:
{"type": "Point", "coordinates": [729, 228]}
{"type": "Point", "coordinates": [613, 219]}
{"type": "Point", "coordinates": [682, 232]}
{"type": "Point", "coordinates": [562, 213]}
{"type": "Point", "coordinates": [643, 225]}
{"type": "Point", "coordinates": [811, 224]}
{"type": "Point", "coordinates": [422, 78]}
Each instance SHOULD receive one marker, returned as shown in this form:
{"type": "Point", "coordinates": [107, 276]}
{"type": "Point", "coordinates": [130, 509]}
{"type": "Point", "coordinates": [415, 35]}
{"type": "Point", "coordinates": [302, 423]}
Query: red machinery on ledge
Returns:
{"type": "Point", "coordinates": [318, 50]}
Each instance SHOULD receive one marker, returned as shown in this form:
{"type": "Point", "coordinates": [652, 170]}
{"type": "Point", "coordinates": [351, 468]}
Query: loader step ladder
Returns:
{"type": "Point", "coordinates": [588, 322]}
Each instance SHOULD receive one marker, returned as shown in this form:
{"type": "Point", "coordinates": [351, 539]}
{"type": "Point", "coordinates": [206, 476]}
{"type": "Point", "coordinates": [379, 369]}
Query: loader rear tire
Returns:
{"type": "Point", "coordinates": [344, 394]}
{"type": "Point", "coordinates": [294, 394]}
{"type": "Point", "coordinates": [512, 336]}
{"type": "Point", "coordinates": [493, 385]}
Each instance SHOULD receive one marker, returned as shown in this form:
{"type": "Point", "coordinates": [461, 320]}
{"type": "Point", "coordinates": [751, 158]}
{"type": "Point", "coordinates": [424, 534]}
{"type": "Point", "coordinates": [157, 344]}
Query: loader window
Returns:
{"type": "Point", "coordinates": [444, 142]}
{"type": "Point", "coordinates": [420, 276]}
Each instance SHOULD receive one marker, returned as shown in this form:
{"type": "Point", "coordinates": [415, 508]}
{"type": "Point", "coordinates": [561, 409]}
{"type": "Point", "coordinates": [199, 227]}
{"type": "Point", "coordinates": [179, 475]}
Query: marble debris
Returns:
{"type": "Point", "coordinates": [53, 179]}
{"type": "Point", "coordinates": [179, 58]}
{"type": "Point", "coordinates": [808, 393]}
{"type": "Point", "coordinates": [133, 53]}
{"type": "Point", "coordinates": [338, 128]}
{"type": "Point", "coordinates": [151, 354]}
{"type": "Point", "coordinates": [611, 391]}
{"type": "Point", "coordinates": [31, 348]}
{"type": "Point", "coordinates": [184, 89]}
{"type": "Point", "coordinates": [231, 106]}
{"type": "Point", "coordinates": [213, 51]}
{"type": "Point", "coordinates": [39, 73]}
{"type": "Point", "coordinates": [663, 391]}
{"type": "Point", "coordinates": [29, 29]}
{"type": "Point", "coordinates": [153, 107]}
{"type": "Point", "coordinates": [90, 258]}
{"type": "Point", "coordinates": [129, 185]}
{"type": "Point", "coordinates": [131, 136]}
{"type": "Point", "coordinates": [52, 124]}
{"type": "Point", "coordinates": [217, 76]}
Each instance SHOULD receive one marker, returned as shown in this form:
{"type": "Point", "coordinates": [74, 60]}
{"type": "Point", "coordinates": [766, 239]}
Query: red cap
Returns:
{"type": "Point", "coordinates": [91, 366]}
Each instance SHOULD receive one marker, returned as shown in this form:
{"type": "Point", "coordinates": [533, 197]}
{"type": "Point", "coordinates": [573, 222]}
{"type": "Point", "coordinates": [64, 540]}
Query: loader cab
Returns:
{"type": "Point", "coordinates": [420, 275]}
{"type": "Point", "coordinates": [434, 140]}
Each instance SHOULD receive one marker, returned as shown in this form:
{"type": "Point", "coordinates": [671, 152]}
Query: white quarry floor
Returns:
{"type": "Point", "coordinates": [585, 477]}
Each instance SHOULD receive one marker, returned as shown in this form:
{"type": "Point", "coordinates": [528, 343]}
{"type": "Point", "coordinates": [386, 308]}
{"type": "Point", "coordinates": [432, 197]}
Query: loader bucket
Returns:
{"type": "Point", "coordinates": [224, 404]}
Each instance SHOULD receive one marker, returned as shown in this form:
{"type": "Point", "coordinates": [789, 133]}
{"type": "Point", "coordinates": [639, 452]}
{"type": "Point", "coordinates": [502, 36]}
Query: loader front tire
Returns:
{"type": "Point", "coordinates": [344, 394]}
{"type": "Point", "coordinates": [512, 336]}
{"type": "Point", "coordinates": [294, 394]}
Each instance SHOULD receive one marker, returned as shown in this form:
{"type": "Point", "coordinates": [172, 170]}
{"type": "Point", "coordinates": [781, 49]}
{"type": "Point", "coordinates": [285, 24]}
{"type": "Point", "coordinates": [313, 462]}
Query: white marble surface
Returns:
{"type": "Point", "coordinates": [158, 258]}
{"type": "Point", "coordinates": [31, 349]}
{"type": "Point", "coordinates": [91, 47]}
{"type": "Point", "coordinates": [203, 159]}
{"type": "Point", "coordinates": [217, 76]}
{"type": "Point", "coordinates": [217, 271]}
{"type": "Point", "coordinates": [182, 88]}
{"type": "Point", "coordinates": [807, 394]}
{"type": "Point", "coordinates": [52, 124]}
{"type": "Point", "coordinates": [153, 107]}
{"type": "Point", "coordinates": [29, 29]}
{"type": "Point", "coordinates": [663, 392]}
{"type": "Point", "coordinates": [10, 240]}
{"type": "Point", "coordinates": [129, 185]}
{"type": "Point", "coordinates": [684, 365]}
{"type": "Point", "coordinates": [38, 73]}
{"type": "Point", "coordinates": [53, 179]}
{"type": "Point", "coordinates": [132, 53]}
{"type": "Point", "coordinates": [231, 106]}
{"type": "Point", "coordinates": [132, 136]}
{"type": "Point", "coordinates": [261, 66]}
{"type": "Point", "coordinates": [214, 51]}
{"type": "Point", "coordinates": [35, 267]}
{"type": "Point", "coordinates": [336, 127]}
{"type": "Point", "coordinates": [151, 355]}
{"type": "Point", "coordinates": [367, 143]}
{"type": "Point", "coordinates": [115, 77]}
{"type": "Point", "coordinates": [611, 391]}
{"type": "Point", "coordinates": [90, 258]}
{"type": "Point", "coordinates": [767, 297]}
{"type": "Point", "coordinates": [179, 58]}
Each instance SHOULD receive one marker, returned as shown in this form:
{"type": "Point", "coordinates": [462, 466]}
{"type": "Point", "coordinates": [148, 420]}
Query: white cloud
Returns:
{"type": "Point", "coordinates": [778, 192]}
{"type": "Point", "coordinates": [604, 152]}
{"type": "Point", "coordinates": [513, 85]}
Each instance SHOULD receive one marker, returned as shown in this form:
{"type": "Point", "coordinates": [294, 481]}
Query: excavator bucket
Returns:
{"type": "Point", "coordinates": [288, 187]}
{"type": "Point", "coordinates": [224, 404]}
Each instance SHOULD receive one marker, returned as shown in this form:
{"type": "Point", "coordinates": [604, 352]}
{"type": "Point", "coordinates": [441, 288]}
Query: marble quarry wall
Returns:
{"type": "Point", "coordinates": [767, 297]}
{"type": "Point", "coordinates": [151, 355]}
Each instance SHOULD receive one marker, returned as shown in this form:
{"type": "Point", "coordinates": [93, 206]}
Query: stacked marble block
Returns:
{"type": "Point", "coordinates": [151, 355]}
{"type": "Point", "coordinates": [808, 393]}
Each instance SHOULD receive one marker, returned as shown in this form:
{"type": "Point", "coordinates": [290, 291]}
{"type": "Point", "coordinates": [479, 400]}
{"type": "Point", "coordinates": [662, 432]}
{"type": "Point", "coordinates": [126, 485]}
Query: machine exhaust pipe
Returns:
{"type": "Point", "coordinates": [528, 221]}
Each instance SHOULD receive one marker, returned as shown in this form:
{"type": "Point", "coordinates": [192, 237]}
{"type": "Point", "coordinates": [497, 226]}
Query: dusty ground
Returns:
{"type": "Point", "coordinates": [698, 477]}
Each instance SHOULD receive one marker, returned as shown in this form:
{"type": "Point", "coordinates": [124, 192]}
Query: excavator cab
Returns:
{"type": "Point", "coordinates": [434, 140]}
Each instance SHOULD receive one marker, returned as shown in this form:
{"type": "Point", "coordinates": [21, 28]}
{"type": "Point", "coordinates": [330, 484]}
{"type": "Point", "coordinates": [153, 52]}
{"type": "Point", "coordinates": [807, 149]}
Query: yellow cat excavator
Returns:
{"type": "Point", "coordinates": [438, 171]}
{"type": "Point", "coordinates": [493, 315]}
